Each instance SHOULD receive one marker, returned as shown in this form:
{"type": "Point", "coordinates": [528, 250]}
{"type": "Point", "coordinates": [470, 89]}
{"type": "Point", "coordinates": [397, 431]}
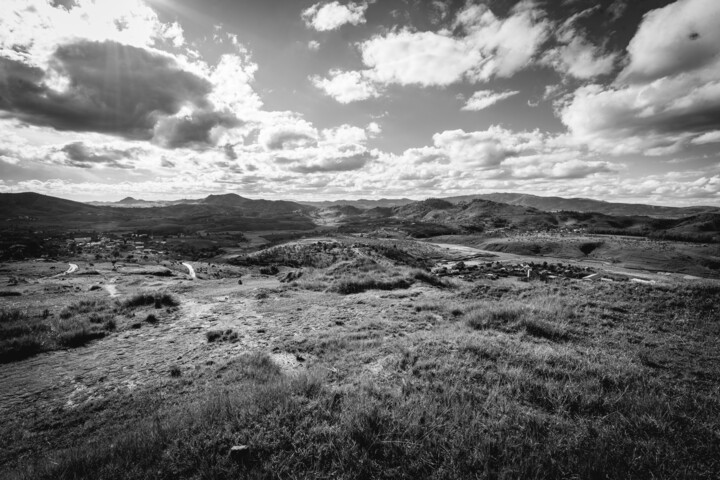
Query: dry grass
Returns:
{"type": "Point", "coordinates": [551, 381]}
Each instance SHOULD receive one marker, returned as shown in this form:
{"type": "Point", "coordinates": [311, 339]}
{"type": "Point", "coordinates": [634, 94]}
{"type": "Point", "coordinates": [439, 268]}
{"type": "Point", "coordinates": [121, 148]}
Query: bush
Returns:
{"type": "Point", "coordinates": [271, 270]}
{"type": "Point", "coordinates": [213, 335]}
{"type": "Point", "coordinates": [78, 338]}
{"type": "Point", "coordinates": [10, 294]}
{"type": "Point", "coordinates": [151, 319]}
{"type": "Point", "coordinates": [360, 284]}
{"type": "Point", "coordinates": [13, 315]}
{"type": "Point", "coordinates": [429, 278]}
{"type": "Point", "coordinates": [157, 299]}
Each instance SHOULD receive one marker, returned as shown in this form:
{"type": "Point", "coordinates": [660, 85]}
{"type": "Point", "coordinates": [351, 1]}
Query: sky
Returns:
{"type": "Point", "coordinates": [616, 100]}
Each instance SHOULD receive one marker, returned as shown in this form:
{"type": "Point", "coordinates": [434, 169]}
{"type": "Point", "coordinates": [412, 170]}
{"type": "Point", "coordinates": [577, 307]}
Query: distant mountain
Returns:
{"type": "Point", "coordinates": [473, 214]}
{"type": "Point", "coordinates": [37, 205]}
{"type": "Point", "coordinates": [362, 203]}
{"type": "Point", "coordinates": [261, 206]}
{"type": "Point", "coordinates": [214, 213]}
{"type": "Point", "coordinates": [546, 204]}
{"type": "Point", "coordinates": [553, 204]}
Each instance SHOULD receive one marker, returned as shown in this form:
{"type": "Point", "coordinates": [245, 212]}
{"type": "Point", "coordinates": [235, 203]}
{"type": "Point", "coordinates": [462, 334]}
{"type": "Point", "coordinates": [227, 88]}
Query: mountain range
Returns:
{"type": "Point", "coordinates": [465, 214]}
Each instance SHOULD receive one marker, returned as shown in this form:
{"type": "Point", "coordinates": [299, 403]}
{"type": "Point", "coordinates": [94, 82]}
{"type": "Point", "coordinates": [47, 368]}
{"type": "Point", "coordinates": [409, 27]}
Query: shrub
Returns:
{"type": "Point", "coordinates": [361, 284]}
{"type": "Point", "coordinates": [271, 270]}
{"type": "Point", "coordinates": [429, 278]}
{"type": "Point", "coordinates": [213, 335]}
{"type": "Point", "coordinates": [151, 319]}
{"type": "Point", "coordinates": [13, 315]}
{"type": "Point", "coordinates": [157, 299]}
{"type": "Point", "coordinates": [79, 337]}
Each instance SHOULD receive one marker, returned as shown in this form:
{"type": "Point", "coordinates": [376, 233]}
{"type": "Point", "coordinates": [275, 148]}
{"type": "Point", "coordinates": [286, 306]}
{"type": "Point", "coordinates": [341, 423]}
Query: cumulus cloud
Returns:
{"type": "Point", "coordinates": [289, 136]}
{"type": "Point", "coordinates": [464, 159]}
{"type": "Point", "coordinates": [99, 66]}
{"type": "Point", "coordinates": [346, 87]}
{"type": "Point", "coordinates": [667, 95]}
{"type": "Point", "coordinates": [483, 99]}
{"type": "Point", "coordinates": [124, 98]}
{"type": "Point", "coordinates": [679, 38]}
{"type": "Point", "coordinates": [34, 28]}
{"type": "Point", "coordinates": [485, 47]}
{"type": "Point", "coordinates": [333, 15]}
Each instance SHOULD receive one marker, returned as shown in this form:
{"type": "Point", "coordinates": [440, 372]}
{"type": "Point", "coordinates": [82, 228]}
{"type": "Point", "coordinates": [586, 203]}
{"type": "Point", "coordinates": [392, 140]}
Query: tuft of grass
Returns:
{"type": "Point", "coordinates": [495, 315]}
{"type": "Point", "coordinates": [545, 329]}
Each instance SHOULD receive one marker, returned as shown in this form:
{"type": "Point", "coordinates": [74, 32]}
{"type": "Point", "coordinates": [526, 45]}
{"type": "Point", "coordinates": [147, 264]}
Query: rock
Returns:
{"type": "Point", "coordinates": [239, 453]}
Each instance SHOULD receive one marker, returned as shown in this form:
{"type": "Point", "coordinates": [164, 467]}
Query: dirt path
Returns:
{"type": "Point", "coordinates": [132, 358]}
{"type": "Point", "coordinates": [72, 269]}
{"type": "Point", "coordinates": [191, 270]}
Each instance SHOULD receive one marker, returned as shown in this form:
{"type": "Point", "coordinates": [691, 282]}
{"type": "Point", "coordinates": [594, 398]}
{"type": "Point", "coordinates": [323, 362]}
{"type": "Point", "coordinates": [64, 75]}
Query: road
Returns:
{"type": "Point", "coordinates": [73, 268]}
{"type": "Point", "coordinates": [191, 270]}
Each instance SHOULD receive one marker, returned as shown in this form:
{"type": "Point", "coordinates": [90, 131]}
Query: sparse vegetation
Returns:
{"type": "Point", "coordinates": [157, 299]}
{"type": "Point", "coordinates": [371, 367]}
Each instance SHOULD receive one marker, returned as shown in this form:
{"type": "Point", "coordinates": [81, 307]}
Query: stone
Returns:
{"type": "Point", "coordinates": [239, 453]}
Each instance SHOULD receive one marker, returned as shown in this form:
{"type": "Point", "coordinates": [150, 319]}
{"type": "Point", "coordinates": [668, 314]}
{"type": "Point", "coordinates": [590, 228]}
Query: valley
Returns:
{"type": "Point", "coordinates": [478, 337]}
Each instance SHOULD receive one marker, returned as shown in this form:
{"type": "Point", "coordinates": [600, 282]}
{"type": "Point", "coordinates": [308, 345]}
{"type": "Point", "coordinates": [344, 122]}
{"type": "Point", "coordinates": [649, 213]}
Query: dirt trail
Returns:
{"type": "Point", "coordinates": [72, 269]}
{"type": "Point", "coordinates": [191, 270]}
{"type": "Point", "coordinates": [124, 361]}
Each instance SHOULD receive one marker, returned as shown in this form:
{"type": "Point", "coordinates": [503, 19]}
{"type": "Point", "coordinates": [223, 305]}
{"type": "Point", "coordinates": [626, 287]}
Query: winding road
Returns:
{"type": "Point", "coordinates": [191, 270]}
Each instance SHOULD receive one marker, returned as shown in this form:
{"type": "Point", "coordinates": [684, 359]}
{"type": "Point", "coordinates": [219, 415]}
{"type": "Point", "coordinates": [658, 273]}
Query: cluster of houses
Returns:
{"type": "Point", "coordinates": [529, 271]}
{"type": "Point", "coordinates": [113, 245]}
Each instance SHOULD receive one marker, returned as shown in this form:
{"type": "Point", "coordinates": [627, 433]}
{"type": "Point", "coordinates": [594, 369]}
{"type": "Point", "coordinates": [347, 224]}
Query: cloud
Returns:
{"type": "Point", "coordinates": [373, 129]}
{"type": "Point", "coordinates": [314, 45]}
{"type": "Point", "coordinates": [195, 128]}
{"type": "Point", "coordinates": [109, 88]}
{"type": "Point", "coordinates": [575, 55]}
{"type": "Point", "coordinates": [485, 47]}
{"type": "Point", "coordinates": [581, 59]}
{"type": "Point", "coordinates": [485, 148]}
{"type": "Point", "coordinates": [333, 15]}
{"type": "Point", "coordinates": [83, 156]}
{"type": "Point", "coordinates": [335, 164]}
{"type": "Point", "coordinates": [33, 29]}
{"type": "Point", "coordinates": [483, 99]}
{"type": "Point", "coordinates": [289, 136]}
{"type": "Point", "coordinates": [667, 95]}
{"type": "Point", "coordinates": [344, 135]}
{"type": "Point", "coordinates": [709, 137]}
{"type": "Point", "coordinates": [464, 160]}
{"type": "Point", "coordinates": [679, 38]}
{"type": "Point", "coordinates": [346, 87]}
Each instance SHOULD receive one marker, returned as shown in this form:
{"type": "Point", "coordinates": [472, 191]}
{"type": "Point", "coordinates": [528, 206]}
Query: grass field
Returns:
{"type": "Point", "coordinates": [335, 376]}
